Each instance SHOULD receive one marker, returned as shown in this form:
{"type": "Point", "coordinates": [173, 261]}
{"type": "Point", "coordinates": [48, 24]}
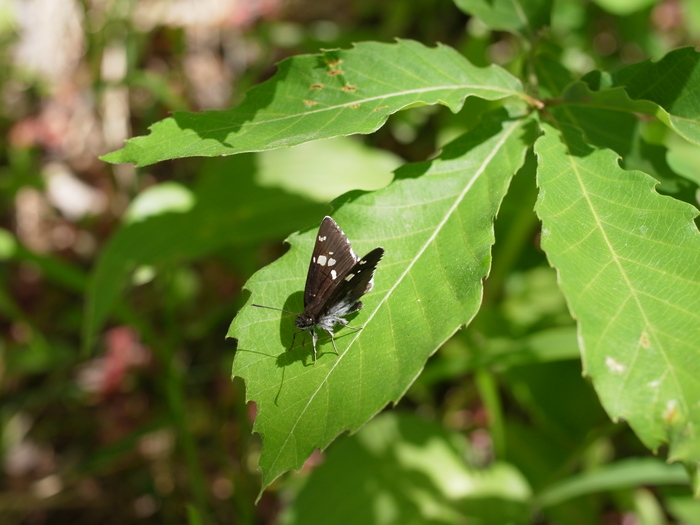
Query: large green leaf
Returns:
{"type": "Point", "coordinates": [628, 264]}
{"type": "Point", "coordinates": [435, 223]}
{"type": "Point", "coordinates": [339, 92]}
{"type": "Point", "coordinates": [223, 210]}
{"type": "Point", "coordinates": [402, 470]}
{"type": "Point", "coordinates": [671, 84]}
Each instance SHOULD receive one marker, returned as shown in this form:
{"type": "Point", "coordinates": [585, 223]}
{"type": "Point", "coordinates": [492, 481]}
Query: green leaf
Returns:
{"type": "Point", "coordinates": [625, 474]}
{"type": "Point", "coordinates": [339, 92]}
{"type": "Point", "coordinates": [624, 7]}
{"type": "Point", "coordinates": [519, 16]}
{"type": "Point", "coordinates": [627, 260]}
{"type": "Point", "coordinates": [457, 359]}
{"type": "Point", "coordinates": [671, 84]}
{"type": "Point", "coordinates": [653, 159]}
{"type": "Point", "coordinates": [399, 469]}
{"type": "Point", "coordinates": [684, 508]}
{"type": "Point", "coordinates": [324, 169]}
{"type": "Point", "coordinates": [554, 344]}
{"type": "Point", "coordinates": [553, 77]}
{"type": "Point", "coordinates": [608, 119]}
{"type": "Point", "coordinates": [222, 210]}
{"type": "Point", "coordinates": [435, 223]}
{"type": "Point", "coordinates": [684, 158]}
{"type": "Point", "coordinates": [166, 197]}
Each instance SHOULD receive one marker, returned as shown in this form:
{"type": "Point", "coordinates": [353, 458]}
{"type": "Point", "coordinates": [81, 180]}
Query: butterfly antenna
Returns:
{"type": "Point", "coordinates": [271, 308]}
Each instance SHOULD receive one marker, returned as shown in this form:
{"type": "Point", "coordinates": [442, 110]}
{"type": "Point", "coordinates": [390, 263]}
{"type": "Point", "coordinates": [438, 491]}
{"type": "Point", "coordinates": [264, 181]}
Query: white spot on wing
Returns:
{"type": "Point", "coordinates": [313, 259]}
{"type": "Point", "coordinates": [322, 259]}
{"type": "Point", "coordinates": [350, 276]}
{"type": "Point", "coordinates": [333, 274]}
{"type": "Point", "coordinates": [331, 261]}
{"type": "Point", "coordinates": [321, 239]}
{"type": "Point", "coordinates": [363, 262]}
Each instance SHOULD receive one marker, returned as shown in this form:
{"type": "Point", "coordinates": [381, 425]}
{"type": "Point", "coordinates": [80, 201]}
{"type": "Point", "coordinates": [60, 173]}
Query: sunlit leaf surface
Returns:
{"type": "Point", "coordinates": [435, 223]}
{"type": "Point", "coordinates": [339, 92]}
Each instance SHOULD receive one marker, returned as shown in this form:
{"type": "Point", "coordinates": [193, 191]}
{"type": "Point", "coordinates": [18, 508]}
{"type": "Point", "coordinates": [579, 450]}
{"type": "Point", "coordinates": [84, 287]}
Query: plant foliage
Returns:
{"type": "Point", "coordinates": [627, 258]}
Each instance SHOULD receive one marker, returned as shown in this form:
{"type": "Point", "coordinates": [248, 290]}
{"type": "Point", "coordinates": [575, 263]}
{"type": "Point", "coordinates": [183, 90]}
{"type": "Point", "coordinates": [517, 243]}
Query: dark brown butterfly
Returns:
{"type": "Point", "coordinates": [336, 280]}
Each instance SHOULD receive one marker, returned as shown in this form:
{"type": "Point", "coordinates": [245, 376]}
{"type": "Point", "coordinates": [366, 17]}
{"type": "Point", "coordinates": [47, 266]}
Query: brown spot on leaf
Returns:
{"type": "Point", "coordinates": [354, 106]}
{"type": "Point", "coordinates": [335, 72]}
{"type": "Point", "coordinates": [310, 103]}
{"type": "Point", "coordinates": [644, 340]}
{"type": "Point", "coordinates": [317, 85]}
{"type": "Point", "coordinates": [671, 413]}
{"type": "Point", "coordinates": [349, 89]}
{"type": "Point", "coordinates": [380, 108]}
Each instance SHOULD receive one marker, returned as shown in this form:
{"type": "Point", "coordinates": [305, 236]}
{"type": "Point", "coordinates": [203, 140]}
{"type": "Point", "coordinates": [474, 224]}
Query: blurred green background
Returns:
{"type": "Point", "coordinates": [117, 284]}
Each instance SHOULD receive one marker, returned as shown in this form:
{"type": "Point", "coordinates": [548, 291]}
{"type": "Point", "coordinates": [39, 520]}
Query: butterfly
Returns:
{"type": "Point", "coordinates": [336, 281]}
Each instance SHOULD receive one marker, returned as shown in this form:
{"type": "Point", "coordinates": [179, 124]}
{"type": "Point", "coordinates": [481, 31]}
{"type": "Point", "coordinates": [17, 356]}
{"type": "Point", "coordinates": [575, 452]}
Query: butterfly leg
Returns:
{"type": "Point", "coordinates": [333, 341]}
{"type": "Point", "coordinates": [314, 340]}
{"type": "Point", "coordinates": [303, 339]}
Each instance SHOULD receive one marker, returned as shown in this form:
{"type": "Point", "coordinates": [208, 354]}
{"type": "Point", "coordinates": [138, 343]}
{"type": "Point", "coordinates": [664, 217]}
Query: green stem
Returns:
{"type": "Point", "coordinates": [488, 392]}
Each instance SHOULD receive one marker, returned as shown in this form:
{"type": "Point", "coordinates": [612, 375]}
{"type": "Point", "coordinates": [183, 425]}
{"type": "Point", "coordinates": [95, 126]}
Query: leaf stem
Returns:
{"type": "Point", "coordinates": [488, 391]}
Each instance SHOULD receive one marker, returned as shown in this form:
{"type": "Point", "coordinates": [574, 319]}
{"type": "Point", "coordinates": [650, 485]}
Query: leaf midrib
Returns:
{"type": "Point", "coordinates": [248, 123]}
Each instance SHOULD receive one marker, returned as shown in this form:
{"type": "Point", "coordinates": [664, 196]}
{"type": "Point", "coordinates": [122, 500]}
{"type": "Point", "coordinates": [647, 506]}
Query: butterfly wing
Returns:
{"type": "Point", "coordinates": [357, 282]}
{"type": "Point", "coordinates": [332, 258]}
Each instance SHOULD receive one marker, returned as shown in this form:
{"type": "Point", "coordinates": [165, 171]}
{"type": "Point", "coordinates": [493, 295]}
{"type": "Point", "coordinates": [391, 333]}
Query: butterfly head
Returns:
{"type": "Point", "coordinates": [304, 321]}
